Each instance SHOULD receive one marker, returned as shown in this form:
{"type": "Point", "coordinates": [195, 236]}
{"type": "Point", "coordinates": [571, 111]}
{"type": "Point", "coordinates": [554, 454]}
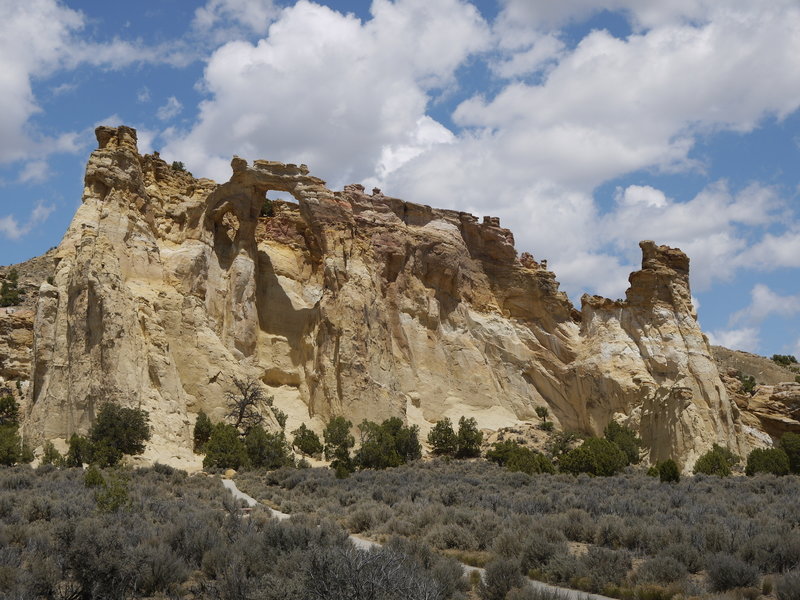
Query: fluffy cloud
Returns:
{"type": "Point", "coordinates": [170, 109]}
{"type": "Point", "coordinates": [355, 100]}
{"type": "Point", "coordinates": [765, 303]}
{"type": "Point", "coordinates": [229, 19]}
{"type": "Point", "coordinates": [32, 37]}
{"type": "Point", "coordinates": [346, 97]}
{"type": "Point", "coordinates": [11, 228]}
{"type": "Point", "coordinates": [743, 332]}
{"type": "Point", "coordinates": [612, 106]}
{"type": "Point", "coordinates": [707, 227]}
{"type": "Point", "coordinates": [745, 338]}
{"type": "Point", "coordinates": [774, 251]}
{"type": "Point", "coordinates": [37, 38]}
{"type": "Point", "coordinates": [34, 172]}
{"type": "Point", "coordinates": [535, 152]}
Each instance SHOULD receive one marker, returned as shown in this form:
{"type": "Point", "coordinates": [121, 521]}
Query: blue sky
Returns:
{"type": "Point", "coordinates": [586, 125]}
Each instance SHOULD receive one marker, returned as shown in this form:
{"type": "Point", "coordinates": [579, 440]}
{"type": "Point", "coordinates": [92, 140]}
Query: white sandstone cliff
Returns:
{"type": "Point", "coordinates": [167, 287]}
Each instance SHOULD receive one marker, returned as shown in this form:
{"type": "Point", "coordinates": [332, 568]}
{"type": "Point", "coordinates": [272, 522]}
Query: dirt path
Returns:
{"type": "Point", "coordinates": [365, 544]}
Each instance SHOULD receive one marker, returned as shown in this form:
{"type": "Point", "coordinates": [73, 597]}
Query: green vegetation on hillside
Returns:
{"type": "Point", "coordinates": [225, 448]}
{"type": "Point", "coordinates": [515, 457]}
{"type": "Point", "coordinates": [10, 294]}
{"type": "Point", "coordinates": [338, 442]}
{"type": "Point", "coordinates": [790, 443]}
{"type": "Point", "coordinates": [595, 456]}
{"type": "Point", "coordinates": [785, 360]}
{"type": "Point", "coordinates": [442, 438]}
{"type": "Point", "coordinates": [667, 471]}
{"type": "Point", "coordinates": [748, 383]}
{"type": "Point", "coordinates": [626, 440]}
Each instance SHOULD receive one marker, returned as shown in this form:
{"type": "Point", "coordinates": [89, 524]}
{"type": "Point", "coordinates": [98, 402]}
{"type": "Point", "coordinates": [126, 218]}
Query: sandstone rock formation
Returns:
{"type": "Point", "coordinates": [16, 324]}
{"type": "Point", "coordinates": [16, 341]}
{"type": "Point", "coordinates": [166, 287]}
{"type": "Point", "coordinates": [773, 408]}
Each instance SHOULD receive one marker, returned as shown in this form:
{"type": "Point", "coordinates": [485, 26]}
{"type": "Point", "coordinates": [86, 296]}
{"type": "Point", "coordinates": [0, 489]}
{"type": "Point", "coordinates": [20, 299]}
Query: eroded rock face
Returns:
{"type": "Point", "coordinates": [658, 365]}
{"type": "Point", "coordinates": [771, 411]}
{"type": "Point", "coordinates": [16, 340]}
{"type": "Point", "coordinates": [348, 303]}
{"type": "Point", "coordinates": [773, 407]}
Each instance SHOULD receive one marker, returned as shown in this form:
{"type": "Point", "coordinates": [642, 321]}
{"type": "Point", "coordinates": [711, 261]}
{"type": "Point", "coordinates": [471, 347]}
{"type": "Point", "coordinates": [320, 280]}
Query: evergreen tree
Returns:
{"type": "Point", "coordinates": [337, 437]}
{"type": "Point", "coordinates": [717, 461]}
{"type": "Point", "coordinates": [668, 471]}
{"type": "Point", "coordinates": [389, 444]}
{"type": "Point", "coordinates": [10, 446]}
{"type": "Point", "coordinates": [377, 449]}
{"type": "Point", "coordinates": [280, 417]}
{"type": "Point", "coordinates": [202, 431]}
{"type": "Point", "coordinates": [9, 410]}
{"type": "Point", "coordinates": [469, 438]}
{"type": "Point", "coordinates": [225, 449]}
{"type": "Point", "coordinates": [442, 438]}
{"type": "Point", "coordinates": [596, 456]}
{"type": "Point", "coordinates": [51, 456]}
{"type": "Point", "coordinates": [626, 440]}
{"type": "Point", "coordinates": [267, 450]}
{"type": "Point", "coordinates": [79, 452]}
{"type": "Point", "coordinates": [93, 478]}
{"type": "Point", "coordinates": [12, 450]}
{"type": "Point", "coordinates": [306, 441]}
{"type": "Point", "coordinates": [767, 460]}
{"type": "Point", "coordinates": [9, 290]}
{"type": "Point", "coordinates": [117, 431]}
{"type": "Point", "coordinates": [515, 457]}
{"type": "Point", "coordinates": [338, 442]}
{"type": "Point", "coordinates": [790, 443]}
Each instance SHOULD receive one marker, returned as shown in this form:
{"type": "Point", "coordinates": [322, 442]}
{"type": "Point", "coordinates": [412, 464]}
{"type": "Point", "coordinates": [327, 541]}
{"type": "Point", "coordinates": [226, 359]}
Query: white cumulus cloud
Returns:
{"type": "Point", "coordinates": [765, 303]}
{"type": "Point", "coordinates": [38, 38]}
{"type": "Point", "coordinates": [170, 109]}
{"type": "Point", "coordinates": [745, 338]}
{"type": "Point", "coordinates": [322, 88]}
{"type": "Point", "coordinates": [230, 19]}
{"type": "Point", "coordinates": [34, 171]}
{"type": "Point", "coordinates": [12, 229]}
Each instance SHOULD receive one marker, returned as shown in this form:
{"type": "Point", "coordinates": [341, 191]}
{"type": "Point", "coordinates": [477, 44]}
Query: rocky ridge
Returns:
{"type": "Point", "coordinates": [773, 406]}
{"type": "Point", "coordinates": [166, 287]}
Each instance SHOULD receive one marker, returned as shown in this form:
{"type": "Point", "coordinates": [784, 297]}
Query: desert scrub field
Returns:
{"type": "Point", "coordinates": [70, 534]}
{"type": "Point", "coordinates": [623, 535]}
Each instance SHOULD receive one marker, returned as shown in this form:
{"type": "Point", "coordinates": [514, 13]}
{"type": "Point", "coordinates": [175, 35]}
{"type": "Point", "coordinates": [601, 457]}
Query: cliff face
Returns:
{"type": "Point", "coordinates": [167, 287]}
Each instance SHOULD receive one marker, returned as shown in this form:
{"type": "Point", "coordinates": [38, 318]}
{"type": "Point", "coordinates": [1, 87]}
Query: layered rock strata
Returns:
{"type": "Point", "coordinates": [167, 287]}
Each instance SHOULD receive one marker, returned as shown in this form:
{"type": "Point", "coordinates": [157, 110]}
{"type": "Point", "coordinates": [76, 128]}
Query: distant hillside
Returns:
{"type": "Point", "coordinates": [765, 371]}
